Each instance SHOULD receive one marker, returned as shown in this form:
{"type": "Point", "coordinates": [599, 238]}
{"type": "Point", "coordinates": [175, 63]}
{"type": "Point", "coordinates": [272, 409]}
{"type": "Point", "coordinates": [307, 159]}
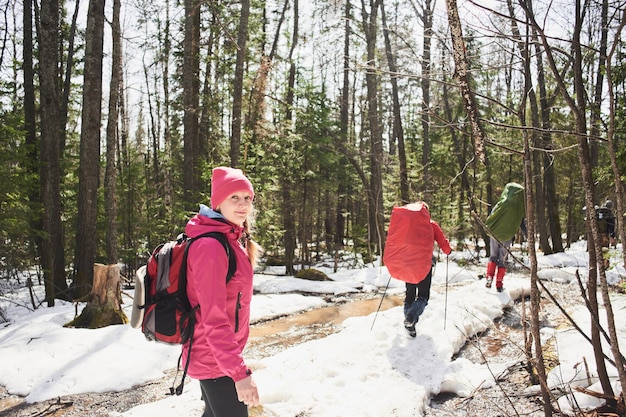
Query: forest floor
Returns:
{"type": "Point", "coordinates": [503, 343]}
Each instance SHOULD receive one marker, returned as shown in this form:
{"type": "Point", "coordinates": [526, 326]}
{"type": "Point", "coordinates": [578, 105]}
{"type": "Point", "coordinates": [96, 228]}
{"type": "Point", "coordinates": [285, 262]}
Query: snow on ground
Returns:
{"type": "Point", "coordinates": [370, 368]}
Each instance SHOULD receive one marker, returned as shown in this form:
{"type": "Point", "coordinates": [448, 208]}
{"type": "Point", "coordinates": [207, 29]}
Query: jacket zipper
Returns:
{"type": "Point", "coordinates": [237, 312]}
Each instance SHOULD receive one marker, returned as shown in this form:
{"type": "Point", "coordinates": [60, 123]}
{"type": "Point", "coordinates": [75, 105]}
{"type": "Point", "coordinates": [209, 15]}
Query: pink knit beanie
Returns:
{"type": "Point", "coordinates": [226, 181]}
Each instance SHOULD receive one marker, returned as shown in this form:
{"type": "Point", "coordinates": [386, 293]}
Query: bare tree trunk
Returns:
{"type": "Point", "coordinates": [596, 99]}
{"type": "Point", "coordinates": [344, 185]}
{"type": "Point", "coordinates": [549, 178]}
{"type": "Point", "coordinates": [69, 69]}
{"type": "Point", "coordinates": [208, 135]}
{"type": "Point", "coordinates": [191, 91]}
{"type": "Point", "coordinates": [398, 130]}
{"type": "Point", "coordinates": [110, 175]}
{"type": "Point", "coordinates": [126, 174]}
{"type": "Point", "coordinates": [257, 106]}
{"type": "Point", "coordinates": [52, 261]}
{"type": "Point", "coordinates": [30, 124]}
{"type": "Point", "coordinates": [619, 185]}
{"type": "Point", "coordinates": [89, 169]}
{"type": "Point", "coordinates": [462, 75]}
{"type": "Point", "coordinates": [165, 170]}
{"type": "Point", "coordinates": [242, 40]}
{"type": "Point", "coordinates": [289, 207]}
{"type": "Point", "coordinates": [535, 296]}
{"type": "Point", "coordinates": [537, 176]}
{"type": "Point", "coordinates": [153, 130]}
{"type": "Point", "coordinates": [376, 212]}
{"type": "Point", "coordinates": [426, 16]}
{"type": "Point", "coordinates": [460, 151]}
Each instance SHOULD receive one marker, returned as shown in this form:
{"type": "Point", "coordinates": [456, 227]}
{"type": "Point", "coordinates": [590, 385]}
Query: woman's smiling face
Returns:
{"type": "Point", "coordinates": [237, 207]}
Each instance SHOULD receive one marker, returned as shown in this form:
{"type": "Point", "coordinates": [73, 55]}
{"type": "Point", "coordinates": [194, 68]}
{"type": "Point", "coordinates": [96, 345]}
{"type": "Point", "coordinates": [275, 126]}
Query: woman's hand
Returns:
{"type": "Point", "coordinates": [247, 392]}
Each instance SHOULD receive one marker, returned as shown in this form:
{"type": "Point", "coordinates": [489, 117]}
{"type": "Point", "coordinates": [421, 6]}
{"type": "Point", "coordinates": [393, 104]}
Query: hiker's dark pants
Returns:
{"type": "Point", "coordinates": [421, 290]}
{"type": "Point", "coordinates": [499, 253]}
{"type": "Point", "coordinates": [220, 398]}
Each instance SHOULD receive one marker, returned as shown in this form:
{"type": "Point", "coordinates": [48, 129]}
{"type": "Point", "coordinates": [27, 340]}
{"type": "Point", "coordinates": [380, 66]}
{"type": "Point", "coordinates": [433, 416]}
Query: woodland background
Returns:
{"type": "Point", "coordinates": [113, 114]}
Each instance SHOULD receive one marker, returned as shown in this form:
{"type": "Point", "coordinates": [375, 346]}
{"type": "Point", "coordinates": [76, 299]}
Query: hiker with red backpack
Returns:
{"type": "Point", "coordinates": [505, 219]}
{"type": "Point", "coordinates": [409, 256]}
{"type": "Point", "coordinates": [222, 320]}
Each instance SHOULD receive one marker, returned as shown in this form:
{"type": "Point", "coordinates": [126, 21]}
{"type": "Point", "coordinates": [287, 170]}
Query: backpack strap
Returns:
{"type": "Point", "coordinates": [191, 319]}
{"type": "Point", "coordinates": [232, 260]}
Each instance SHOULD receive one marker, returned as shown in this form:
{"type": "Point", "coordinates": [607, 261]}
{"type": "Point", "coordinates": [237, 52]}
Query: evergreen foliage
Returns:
{"type": "Point", "coordinates": [307, 176]}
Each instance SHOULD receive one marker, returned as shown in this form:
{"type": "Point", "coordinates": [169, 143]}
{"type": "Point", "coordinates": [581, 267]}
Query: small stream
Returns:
{"type": "Point", "coordinates": [271, 337]}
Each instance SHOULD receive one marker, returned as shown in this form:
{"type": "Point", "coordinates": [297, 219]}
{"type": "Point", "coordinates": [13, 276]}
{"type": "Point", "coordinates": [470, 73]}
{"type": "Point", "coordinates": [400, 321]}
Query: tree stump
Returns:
{"type": "Point", "coordinates": [105, 301]}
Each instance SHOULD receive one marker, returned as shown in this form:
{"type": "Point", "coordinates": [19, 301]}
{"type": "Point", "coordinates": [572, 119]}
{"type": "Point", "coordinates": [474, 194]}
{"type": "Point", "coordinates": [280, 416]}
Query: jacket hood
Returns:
{"type": "Point", "coordinates": [506, 217]}
{"type": "Point", "coordinates": [209, 220]}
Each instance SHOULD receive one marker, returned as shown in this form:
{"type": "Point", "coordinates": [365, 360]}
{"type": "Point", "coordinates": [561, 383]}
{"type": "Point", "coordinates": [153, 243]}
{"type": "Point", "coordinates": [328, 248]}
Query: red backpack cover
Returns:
{"type": "Point", "coordinates": [410, 242]}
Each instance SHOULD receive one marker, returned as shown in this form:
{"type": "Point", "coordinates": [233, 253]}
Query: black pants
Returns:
{"type": "Point", "coordinates": [220, 398]}
{"type": "Point", "coordinates": [421, 290]}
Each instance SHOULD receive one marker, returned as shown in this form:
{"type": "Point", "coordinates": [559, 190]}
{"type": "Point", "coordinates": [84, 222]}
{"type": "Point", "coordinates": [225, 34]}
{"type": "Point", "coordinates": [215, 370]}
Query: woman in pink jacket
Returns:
{"type": "Point", "coordinates": [223, 319]}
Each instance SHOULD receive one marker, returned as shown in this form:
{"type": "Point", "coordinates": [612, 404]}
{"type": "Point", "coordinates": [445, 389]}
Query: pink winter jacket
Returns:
{"type": "Point", "coordinates": [222, 321]}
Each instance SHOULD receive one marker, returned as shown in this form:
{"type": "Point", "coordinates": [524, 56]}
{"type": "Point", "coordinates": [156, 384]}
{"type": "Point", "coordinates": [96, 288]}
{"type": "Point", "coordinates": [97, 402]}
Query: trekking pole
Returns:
{"type": "Point", "coordinates": [445, 307]}
{"type": "Point", "coordinates": [381, 302]}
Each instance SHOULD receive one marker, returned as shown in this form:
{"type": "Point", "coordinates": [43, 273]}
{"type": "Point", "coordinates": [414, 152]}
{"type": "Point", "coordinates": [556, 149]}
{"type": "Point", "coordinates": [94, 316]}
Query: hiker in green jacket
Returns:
{"type": "Point", "coordinates": [503, 222]}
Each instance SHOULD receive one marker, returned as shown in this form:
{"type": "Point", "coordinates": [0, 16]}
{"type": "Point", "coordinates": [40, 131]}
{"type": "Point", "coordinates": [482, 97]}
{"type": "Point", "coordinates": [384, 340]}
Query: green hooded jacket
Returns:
{"type": "Point", "coordinates": [506, 217]}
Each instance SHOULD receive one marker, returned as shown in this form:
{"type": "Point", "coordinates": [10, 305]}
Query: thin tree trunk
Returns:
{"type": "Point", "coordinates": [191, 99]}
{"type": "Point", "coordinates": [462, 75]}
{"type": "Point", "coordinates": [596, 101]}
{"type": "Point", "coordinates": [539, 202]}
{"type": "Point", "coordinates": [257, 106]}
{"type": "Point", "coordinates": [30, 124]}
{"type": "Point", "coordinates": [427, 21]}
{"type": "Point", "coordinates": [398, 130]}
{"type": "Point", "coordinates": [376, 212]}
{"type": "Point", "coordinates": [67, 81]}
{"type": "Point", "coordinates": [207, 134]}
{"type": "Point", "coordinates": [287, 182]}
{"type": "Point", "coordinates": [535, 296]}
{"type": "Point", "coordinates": [343, 138]}
{"type": "Point", "coordinates": [549, 178]}
{"type": "Point", "coordinates": [152, 132]}
{"type": "Point", "coordinates": [110, 175]}
{"type": "Point", "coordinates": [127, 178]}
{"type": "Point", "coordinates": [612, 146]}
{"type": "Point", "coordinates": [242, 40]}
{"type": "Point", "coordinates": [166, 169]}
